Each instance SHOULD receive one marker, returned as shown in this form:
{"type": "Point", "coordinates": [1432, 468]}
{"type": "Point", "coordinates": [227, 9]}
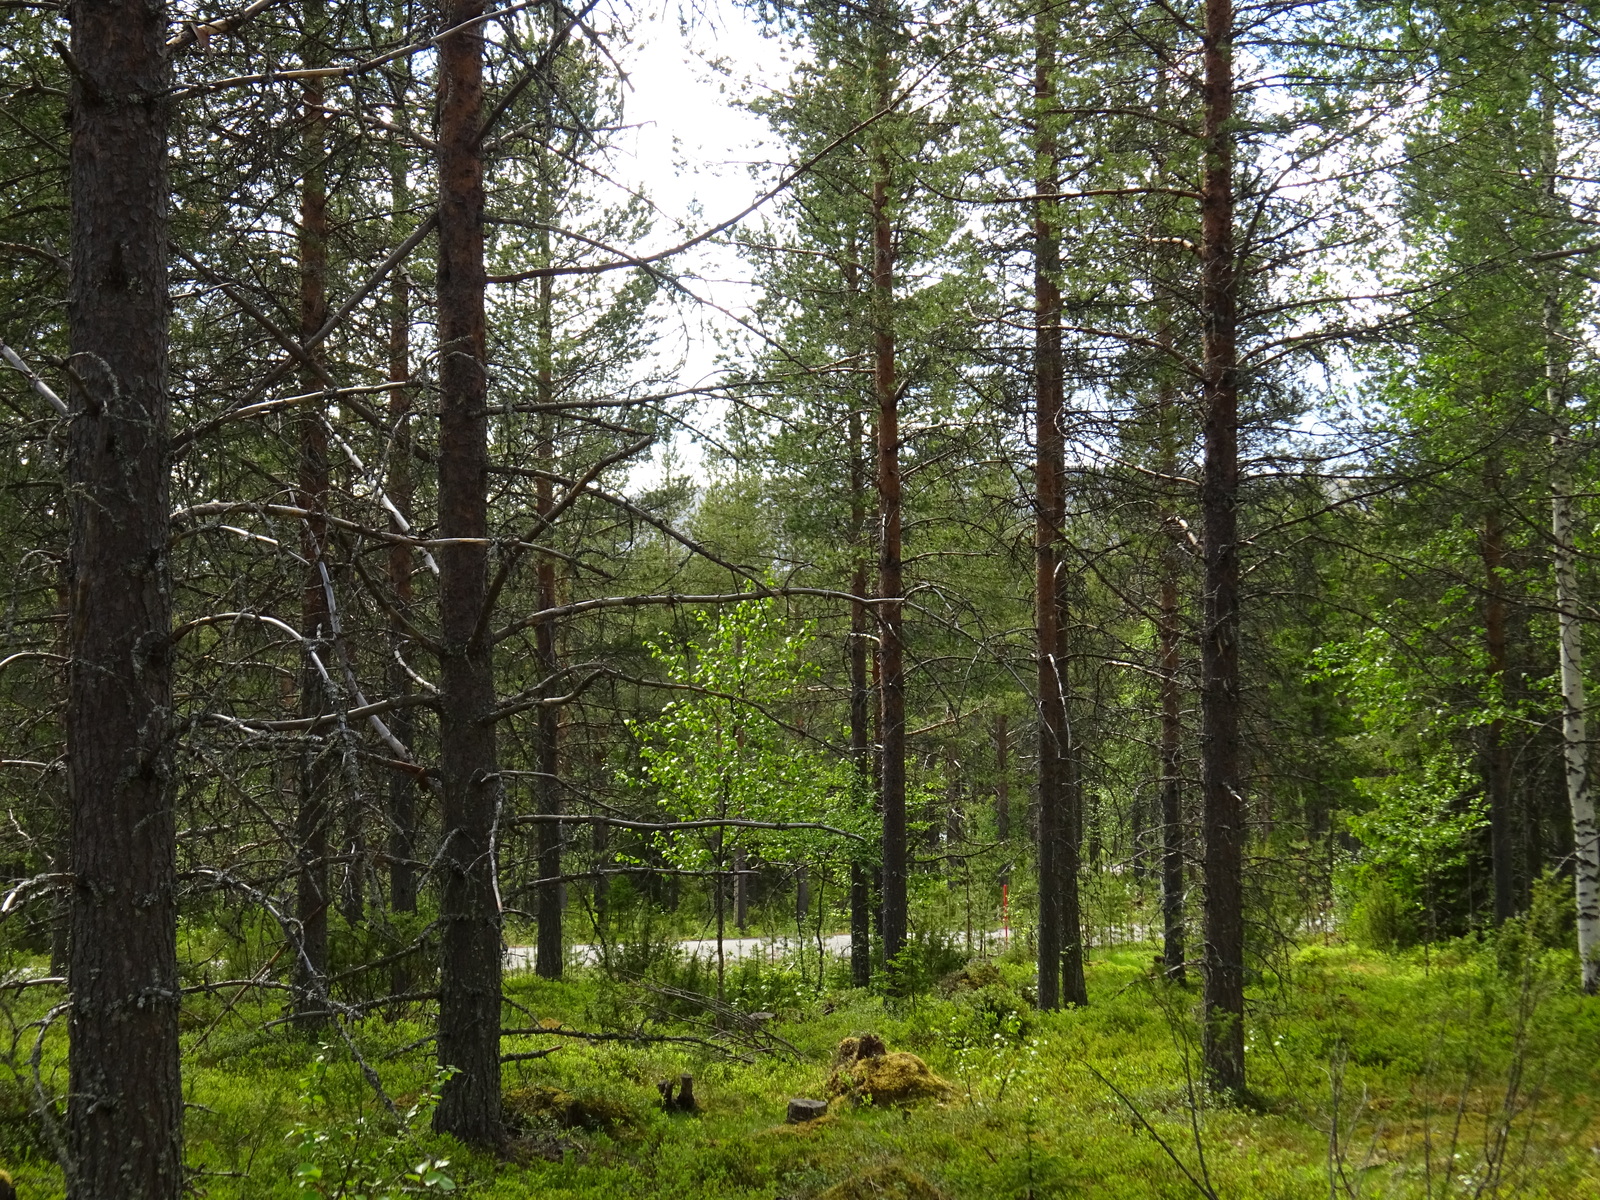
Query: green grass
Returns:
{"type": "Point", "coordinates": [1414, 1048]}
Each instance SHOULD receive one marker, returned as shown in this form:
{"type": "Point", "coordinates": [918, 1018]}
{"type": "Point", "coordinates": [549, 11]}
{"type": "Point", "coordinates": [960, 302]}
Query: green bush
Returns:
{"type": "Point", "coordinates": [1379, 918]}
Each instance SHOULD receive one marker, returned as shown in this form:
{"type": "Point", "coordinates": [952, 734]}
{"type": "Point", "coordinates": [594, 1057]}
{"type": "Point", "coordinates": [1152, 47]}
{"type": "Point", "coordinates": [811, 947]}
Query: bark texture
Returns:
{"type": "Point", "coordinates": [1574, 709]}
{"type": "Point", "coordinates": [125, 1102]}
{"type": "Point", "coordinates": [402, 563]}
{"type": "Point", "coordinates": [1060, 943]}
{"type": "Point", "coordinates": [1169, 633]}
{"type": "Point", "coordinates": [1002, 783]}
{"type": "Point", "coordinates": [891, 646]}
{"type": "Point", "coordinates": [1496, 749]}
{"type": "Point", "coordinates": [551, 954]}
{"type": "Point", "coordinates": [402, 798]}
{"type": "Point", "coordinates": [1172, 890]}
{"type": "Point", "coordinates": [860, 701]}
{"type": "Point", "coordinates": [316, 620]}
{"type": "Point", "coordinates": [470, 966]}
{"type": "Point", "coordinates": [1221, 786]}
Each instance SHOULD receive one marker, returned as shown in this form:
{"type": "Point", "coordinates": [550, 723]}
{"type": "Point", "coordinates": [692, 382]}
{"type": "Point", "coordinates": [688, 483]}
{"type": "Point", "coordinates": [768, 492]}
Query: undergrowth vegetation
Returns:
{"type": "Point", "coordinates": [1467, 1069]}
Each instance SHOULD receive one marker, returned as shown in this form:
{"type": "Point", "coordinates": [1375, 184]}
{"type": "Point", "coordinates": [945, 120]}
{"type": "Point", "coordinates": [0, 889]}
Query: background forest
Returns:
{"type": "Point", "coordinates": [1102, 611]}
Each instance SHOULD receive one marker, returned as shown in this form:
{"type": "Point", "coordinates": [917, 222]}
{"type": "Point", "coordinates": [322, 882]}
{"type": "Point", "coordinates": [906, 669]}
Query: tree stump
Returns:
{"type": "Point", "coordinates": [806, 1110]}
{"type": "Point", "coordinates": [685, 1101]}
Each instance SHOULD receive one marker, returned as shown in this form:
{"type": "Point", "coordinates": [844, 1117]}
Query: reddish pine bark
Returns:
{"type": "Point", "coordinates": [469, 986]}
{"type": "Point", "coordinates": [1061, 978]}
{"type": "Point", "coordinates": [860, 701]}
{"type": "Point", "coordinates": [1221, 786]}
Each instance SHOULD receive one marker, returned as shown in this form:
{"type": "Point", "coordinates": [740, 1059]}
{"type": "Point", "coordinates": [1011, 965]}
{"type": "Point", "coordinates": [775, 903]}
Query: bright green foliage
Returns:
{"type": "Point", "coordinates": [725, 749]}
{"type": "Point", "coordinates": [1417, 808]}
{"type": "Point", "coordinates": [345, 1157]}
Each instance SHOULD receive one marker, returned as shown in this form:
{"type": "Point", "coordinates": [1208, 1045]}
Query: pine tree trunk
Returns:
{"type": "Point", "coordinates": [312, 816]}
{"type": "Point", "coordinates": [860, 703]}
{"type": "Point", "coordinates": [1060, 940]}
{"type": "Point", "coordinates": [1048, 516]}
{"type": "Point", "coordinates": [124, 1098]}
{"type": "Point", "coordinates": [402, 797]}
{"type": "Point", "coordinates": [402, 562]}
{"type": "Point", "coordinates": [1496, 751]}
{"type": "Point", "coordinates": [551, 951]}
{"type": "Point", "coordinates": [891, 650]}
{"type": "Point", "coordinates": [741, 889]}
{"type": "Point", "coordinates": [1222, 799]}
{"type": "Point", "coordinates": [1169, 632]}
{"type": "Point", "coordinates": [1172, 890]}
{"type": "Point", "coordinates": [1002, 782]}
{"type": "Point", "coordinates": [602, 882]}
{"type": "Point", "coordinates": [469, 986]}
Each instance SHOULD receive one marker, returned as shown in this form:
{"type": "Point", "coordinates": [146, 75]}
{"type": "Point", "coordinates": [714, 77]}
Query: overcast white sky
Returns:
{"type": "Point", "coordinates": [691, 153]}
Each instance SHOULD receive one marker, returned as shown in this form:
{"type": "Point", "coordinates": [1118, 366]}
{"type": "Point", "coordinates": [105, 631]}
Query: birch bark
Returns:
{"type": "Point", "coordinates": [1574, 707]}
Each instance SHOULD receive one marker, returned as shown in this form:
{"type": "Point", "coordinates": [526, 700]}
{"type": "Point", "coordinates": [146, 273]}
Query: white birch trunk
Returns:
{"type": "Point", "coordinates": [1575, 738]}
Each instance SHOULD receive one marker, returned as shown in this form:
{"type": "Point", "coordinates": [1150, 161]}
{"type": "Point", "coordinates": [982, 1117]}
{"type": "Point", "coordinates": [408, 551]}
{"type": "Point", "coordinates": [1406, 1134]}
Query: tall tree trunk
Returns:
{"type": "Point", "coordinates": [1496, 750]}
{"type": "Point", "coordinates": [551, 951]}
{"type": "Point", "coordinates": [891, 647]}
{"type": "Point", "coordinates": [1574, 708]}
{"type": "Point", "coordinates": [602, 881]}
{"type": "Point", "coordinates": [1172, 891]}
{"type": "Point", "coordinates": [124, 1098]}
{"type": "Point", "coordinates": [316, 625]}
{"type": "Point", "coordinates": [59, 838]}
{"type": "Point", "coordinates": [741, 888]}
{"type": "Point", "coordinates": [1002, 782]}
{"type": "Point", "coordinates": [1169, 632]}
{"type": "Point", "coordinates": [1221, 785]}
{"type": "Point", "coordinates": [1575, 704]}
{"type": "Point", "coordinates": [860, 686]}
{"type": "Point", "coordinates": [402, 797]}
{"type": "Point", "coordinates": [402, 563]}
{"type": "Point", "coordinates": [469, 986]}
{"type": "Point", "coordinates": [861, 756]}
{"type": "Point", "coordinates": [1060, 941]}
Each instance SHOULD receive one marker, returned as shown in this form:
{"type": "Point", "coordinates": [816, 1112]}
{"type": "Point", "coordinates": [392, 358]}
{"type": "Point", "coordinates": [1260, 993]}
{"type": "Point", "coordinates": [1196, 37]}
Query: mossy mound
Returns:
{"type": "Point", "coordinates": [881, 1183]}
{"type": "Point", "coordinates": [972, 978]}
{"type": "Point", "coordinates": [865, 1069]}
{"type": "Point", "coordinates": [538, 1104]}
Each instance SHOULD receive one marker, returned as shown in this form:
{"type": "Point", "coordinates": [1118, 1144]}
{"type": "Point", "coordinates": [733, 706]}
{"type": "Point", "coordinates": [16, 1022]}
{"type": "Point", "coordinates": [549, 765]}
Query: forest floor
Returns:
{"type": "Point", "coordinates": [1455, 1073]}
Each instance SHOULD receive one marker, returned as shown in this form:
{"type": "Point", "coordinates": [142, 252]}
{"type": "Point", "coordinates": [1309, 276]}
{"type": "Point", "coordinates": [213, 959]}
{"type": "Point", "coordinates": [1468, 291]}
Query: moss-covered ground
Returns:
{"type": "Point", "coordinates": [1447, 1074]}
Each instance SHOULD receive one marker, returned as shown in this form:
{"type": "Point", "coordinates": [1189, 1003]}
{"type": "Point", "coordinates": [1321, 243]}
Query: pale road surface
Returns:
{"type": "Point", "coordinates": [520, 958]}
